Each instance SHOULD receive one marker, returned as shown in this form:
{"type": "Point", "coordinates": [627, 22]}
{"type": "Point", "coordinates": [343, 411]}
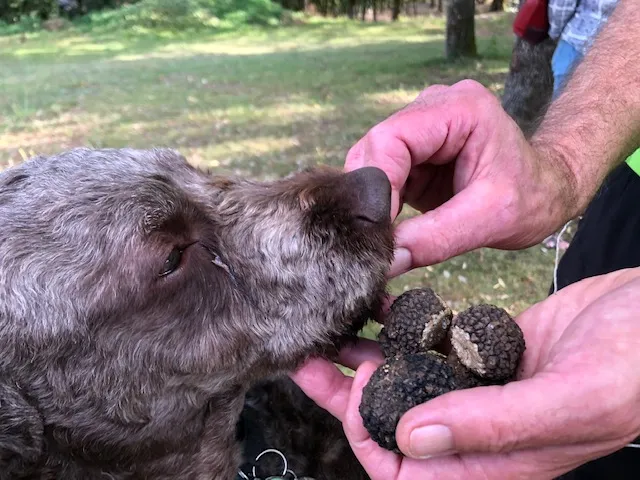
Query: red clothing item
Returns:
{"type": "Point", "coordinates": [532, 21]}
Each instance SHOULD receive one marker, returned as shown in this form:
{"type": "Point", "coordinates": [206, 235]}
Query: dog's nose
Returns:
{"type": "Point", "coordinates": [370, 191]}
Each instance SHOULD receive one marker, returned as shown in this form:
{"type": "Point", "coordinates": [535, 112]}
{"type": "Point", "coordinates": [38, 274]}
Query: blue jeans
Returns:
{"type": "Point", "coordinates": [564, 60]}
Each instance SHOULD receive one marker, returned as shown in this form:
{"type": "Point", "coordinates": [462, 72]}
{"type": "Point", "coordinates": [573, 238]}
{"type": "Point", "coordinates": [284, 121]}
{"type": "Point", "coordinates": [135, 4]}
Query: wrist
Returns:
{"type": "Point", "coordinates": [576, 177]}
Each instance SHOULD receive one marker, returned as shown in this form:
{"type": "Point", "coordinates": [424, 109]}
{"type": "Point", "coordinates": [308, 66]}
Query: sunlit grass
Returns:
{"type": "Point", "coordinates": [260, 102]}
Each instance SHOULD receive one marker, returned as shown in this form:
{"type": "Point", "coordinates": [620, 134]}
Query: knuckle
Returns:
{"type": "Point", "coordinates": [355, 155]}
{"type": "Point", "coordinates": [482, 96]}
{"type": "Point", "coordinates": [504, 437]}
{"type": "Point", "coordinates": [469, 85]}
{"type": "Point", "coordinates": [431, 91]}
{"type": "Point", "coordinates": [378, 134]}
{"type": "Point", "coordinates": [440, 242]}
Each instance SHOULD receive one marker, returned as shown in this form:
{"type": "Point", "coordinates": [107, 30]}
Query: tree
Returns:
{"type": "Point", "coordinates": [497, 6]}
{"type": "Point", "coordinates": [351, 8]}
{"type": "Point", "coordinates": [395, 9]}
{"type": "Point", "coordinates": [461, 34]}
{"type": "Point", "coordinates": [529, 84]}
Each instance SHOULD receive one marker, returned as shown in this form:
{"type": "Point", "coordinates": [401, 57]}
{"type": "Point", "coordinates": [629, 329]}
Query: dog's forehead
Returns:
{"type": "Point", "coordinates": [85, 188]}
{"type": "Point", "coordinates": [87, 168]}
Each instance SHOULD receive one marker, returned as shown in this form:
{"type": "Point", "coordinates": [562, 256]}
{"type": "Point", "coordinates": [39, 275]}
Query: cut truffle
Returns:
{"type": "Point", "coordinates": [487, 341]}
{"type": "Point", "coordinates": [401, 383]}
{"type": "Point", "coordinates": [418, 320]}
{"type": "Point", "coordinates": [483, 344]}
{"type": "Point", "coordinates": [464, 377]}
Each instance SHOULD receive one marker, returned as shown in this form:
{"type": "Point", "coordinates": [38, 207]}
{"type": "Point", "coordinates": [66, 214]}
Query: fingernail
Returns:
{"type": "Point", "coordinates": [401, 262]}
{"type": "Point", "coordinates": [431, 441]}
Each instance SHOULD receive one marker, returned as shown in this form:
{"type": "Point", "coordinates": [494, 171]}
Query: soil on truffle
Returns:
{"type": "Point", "coordinates": [398, 385]}
{"type": "Point", "coordinates": [483, 346]}
{"type": "Point", "coordinates": [417, 321]}
{"type": "Point", "coordinates": [487, 341]}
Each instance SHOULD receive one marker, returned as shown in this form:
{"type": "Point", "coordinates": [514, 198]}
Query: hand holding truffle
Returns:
{"type": "Point", "coordinates": [575, 397]}
{"type": "Point", "coordinates": [486, 346]}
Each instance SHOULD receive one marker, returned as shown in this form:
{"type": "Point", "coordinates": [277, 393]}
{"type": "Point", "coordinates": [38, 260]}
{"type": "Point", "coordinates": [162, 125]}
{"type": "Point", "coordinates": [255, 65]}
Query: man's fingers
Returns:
{"type": "Point", "coordinates": [419, 133]}
{"type": "Point", "coordinates": [395, 161]}
{"type": "Point", "coordinates": [364, 350]}
{"type": "Point", "coordinates": [380, 464]}
{"type": "Point", "coordinates": [325, 384]}
{"type": "Point", "coordinates": [459, 225]}
{"type": "Point", "coordinates": [535, 413]}
{"type": "Point", "coordinates": [534, 464]}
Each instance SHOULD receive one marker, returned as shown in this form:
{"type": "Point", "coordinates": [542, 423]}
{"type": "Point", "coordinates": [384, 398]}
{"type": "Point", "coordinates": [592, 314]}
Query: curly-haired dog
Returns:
{"type": "Point", "coordinates": [141, 298]}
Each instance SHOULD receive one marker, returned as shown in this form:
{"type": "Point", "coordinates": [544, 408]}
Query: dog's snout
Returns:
{"type": "Point", "coordinates": [370, 191]}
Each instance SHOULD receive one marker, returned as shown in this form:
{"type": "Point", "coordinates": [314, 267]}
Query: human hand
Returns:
{"type": "Point", "coordinates": [576, 399]}
{"type": "Point", "coordinates": [456, 155]}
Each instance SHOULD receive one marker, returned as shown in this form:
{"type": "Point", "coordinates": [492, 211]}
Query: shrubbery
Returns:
{"type": "Point", "coordinates": [17, 11]}
{"type": "Point", "coordinates": [28, 15]}
{"type": "Point", "coordinates": [170, 14]}
{"type": "Point", "coordinates": [14, 11]}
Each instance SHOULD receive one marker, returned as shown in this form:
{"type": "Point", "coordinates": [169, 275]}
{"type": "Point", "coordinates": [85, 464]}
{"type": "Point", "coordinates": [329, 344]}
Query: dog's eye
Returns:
{"type": "Point", "coordinates": [172, 262]}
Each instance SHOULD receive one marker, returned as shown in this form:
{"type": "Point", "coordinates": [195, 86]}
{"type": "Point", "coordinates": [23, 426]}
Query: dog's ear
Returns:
{"type": "Point", "coordinates": [21, 433]}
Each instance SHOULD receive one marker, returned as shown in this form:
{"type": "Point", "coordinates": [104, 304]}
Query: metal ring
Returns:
{"type": "Point", "coordinates": [273, 450]}
{"type": "Point", "coordinates": [243, 475]}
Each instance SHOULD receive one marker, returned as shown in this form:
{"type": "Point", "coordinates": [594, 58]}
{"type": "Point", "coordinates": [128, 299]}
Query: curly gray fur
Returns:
{"type": "Point", "coordinates": [111, 371]}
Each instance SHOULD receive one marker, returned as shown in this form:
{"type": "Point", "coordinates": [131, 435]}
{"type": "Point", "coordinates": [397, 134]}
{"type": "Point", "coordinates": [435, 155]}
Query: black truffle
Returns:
{"type": "Point", "coordinates": [418, 320]}
{"type": "Point", "coordinates": [465, 377]}
{"type": "Point", "coordinates": [484, 346]}
{"type": "Point", "coordinates": [487, 341]}
{"type": "Point", "coordinates": [401, 383]}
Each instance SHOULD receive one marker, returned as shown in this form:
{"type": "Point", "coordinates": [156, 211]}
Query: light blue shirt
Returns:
{"type": "Point", "coordinates": [578, 22]}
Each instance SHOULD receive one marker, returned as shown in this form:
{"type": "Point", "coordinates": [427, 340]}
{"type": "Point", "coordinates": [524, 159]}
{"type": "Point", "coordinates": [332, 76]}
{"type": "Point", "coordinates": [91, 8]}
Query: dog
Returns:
{"type": "Point", "coordinates": [150, 311]}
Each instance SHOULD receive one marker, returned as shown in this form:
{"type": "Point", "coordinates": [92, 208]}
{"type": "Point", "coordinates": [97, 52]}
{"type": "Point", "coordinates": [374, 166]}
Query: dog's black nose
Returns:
{"type": "Point", "coordinates": [370, 191]}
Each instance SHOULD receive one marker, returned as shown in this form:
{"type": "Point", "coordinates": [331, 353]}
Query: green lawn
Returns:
{"type": "Point", "coordinates": [259, 102]}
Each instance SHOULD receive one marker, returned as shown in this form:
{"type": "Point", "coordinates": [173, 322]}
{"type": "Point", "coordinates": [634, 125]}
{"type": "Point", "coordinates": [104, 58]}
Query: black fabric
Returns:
{"type": "Point", "coordinates": [608, 234]}
{"type": "Point", "coordinates": [621, 465]}
{"type": "Point", "coordinates": [607, 239]}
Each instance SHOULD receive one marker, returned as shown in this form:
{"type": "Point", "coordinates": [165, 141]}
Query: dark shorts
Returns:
{"type": "Point", "coordinates": [608, 236]}
{"type": "Point", "coordinates": [607, 239]}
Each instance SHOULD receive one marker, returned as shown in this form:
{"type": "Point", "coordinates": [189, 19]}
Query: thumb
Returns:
{"type": "Point", "coordinates": [459, 225]}
{"type": "Point", "coordinates": [533, 413]}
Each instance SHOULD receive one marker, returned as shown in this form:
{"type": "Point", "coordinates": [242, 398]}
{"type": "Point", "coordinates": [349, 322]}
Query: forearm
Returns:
{"type": "Point", "coordinates": [595, 123]}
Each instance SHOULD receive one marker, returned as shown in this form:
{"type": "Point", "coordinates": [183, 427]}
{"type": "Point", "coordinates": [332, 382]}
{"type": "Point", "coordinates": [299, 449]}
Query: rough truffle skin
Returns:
{"type": "Point", "coordinates": [465, 378]}
{"type": "Point", "coordinates": [488, 341]}
{"type": "Point", "coordinates": [418, 320]}
{"type": "Point", "coordinates": [401, 383]}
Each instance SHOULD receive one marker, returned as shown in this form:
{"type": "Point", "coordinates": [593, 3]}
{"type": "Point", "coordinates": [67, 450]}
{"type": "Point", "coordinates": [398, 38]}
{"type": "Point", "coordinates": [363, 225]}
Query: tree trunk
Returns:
{"type": "Point", "coordinates": [529, 84]}
{"type": "Point", "coordinates": [461, 34]}
{"type": "Point", "coordinates": [351, 9]}
{"type": "Point", "coordinates": [395, 11]}
{"type": "Point", "coordinates": [440, 6]}
{"type": "Point", "coordinates": [375, 10]}
{"type": "Point", "coordinates": [497, 6]}
{"type": "Point", "coordinates": [364, 10]}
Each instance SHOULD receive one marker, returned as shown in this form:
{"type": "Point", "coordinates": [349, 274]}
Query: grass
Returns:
{"type": "Point", "coordinates": [257, 102]}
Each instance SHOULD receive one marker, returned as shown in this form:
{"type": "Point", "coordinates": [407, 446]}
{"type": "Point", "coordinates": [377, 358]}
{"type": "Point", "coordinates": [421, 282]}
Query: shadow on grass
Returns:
{"type": "Point", "coordinates": [328, 75]}
{"type": "Point", "coordinates": [147, 101]}
{"type": "Point", "coordinates": [105, 43]}
{"type": "Point", "coordinates": [92, 42]}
